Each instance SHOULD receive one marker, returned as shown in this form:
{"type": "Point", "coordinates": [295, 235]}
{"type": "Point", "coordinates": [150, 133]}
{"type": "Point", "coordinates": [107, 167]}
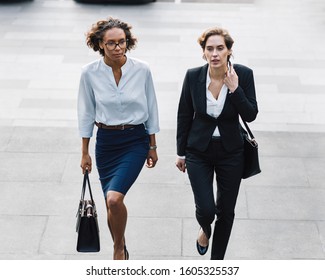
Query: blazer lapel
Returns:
{"type": "Point", "coordinates": [201, 90]}
{"type": "Point", "coordinates": [226, 103]}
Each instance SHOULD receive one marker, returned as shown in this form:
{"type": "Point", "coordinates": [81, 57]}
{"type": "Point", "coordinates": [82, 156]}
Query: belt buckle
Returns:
{"type": "Point", "coordinates": [122, 126]}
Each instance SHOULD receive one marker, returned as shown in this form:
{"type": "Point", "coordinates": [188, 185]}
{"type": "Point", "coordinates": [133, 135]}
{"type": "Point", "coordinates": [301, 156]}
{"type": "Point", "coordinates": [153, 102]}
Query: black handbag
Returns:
{"type": "Point", "coordinates": [87, 223]}
{"type": "Point", "coordinates": [251, 161]}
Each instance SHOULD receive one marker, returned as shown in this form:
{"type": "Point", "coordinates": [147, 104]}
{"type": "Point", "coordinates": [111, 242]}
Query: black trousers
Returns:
{"type": "Point", "coordinates": [228, 168]}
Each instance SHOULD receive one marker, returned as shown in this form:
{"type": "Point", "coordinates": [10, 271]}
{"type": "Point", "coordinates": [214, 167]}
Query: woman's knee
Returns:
{"type": "Point", "coordinates": [205, 214]}
{"type": "Point", "coordinates": [227, 216]}
{"type": "Point", "coordinates": [114, 200]}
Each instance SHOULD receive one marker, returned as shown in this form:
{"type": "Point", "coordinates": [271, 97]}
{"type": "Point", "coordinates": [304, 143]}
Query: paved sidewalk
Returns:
{"type": "Point", "coordinates": [280, 213]}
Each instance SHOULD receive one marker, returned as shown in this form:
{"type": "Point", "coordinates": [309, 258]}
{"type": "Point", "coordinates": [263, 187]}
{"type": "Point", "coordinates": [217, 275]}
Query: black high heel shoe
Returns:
{"type": "Point", "coordinates": [203, 249]}
{"type": "Point", "coordinates": [126, 253]}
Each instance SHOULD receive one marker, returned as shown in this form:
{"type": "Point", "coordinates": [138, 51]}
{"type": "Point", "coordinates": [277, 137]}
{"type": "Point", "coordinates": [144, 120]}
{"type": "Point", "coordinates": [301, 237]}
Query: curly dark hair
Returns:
{"type": "Point", "coordinates": [95, 35]}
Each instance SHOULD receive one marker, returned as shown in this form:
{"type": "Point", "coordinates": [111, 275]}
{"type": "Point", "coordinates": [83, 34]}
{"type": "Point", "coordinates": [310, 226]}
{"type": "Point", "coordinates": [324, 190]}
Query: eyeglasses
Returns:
{"type": "Point", "coordinates": [111, 45]}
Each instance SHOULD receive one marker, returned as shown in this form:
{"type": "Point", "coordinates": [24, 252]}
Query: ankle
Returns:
{"type": "Point", "coordinates": [202, 238]}
{"type": "Point", "coordinates": [119, 245]}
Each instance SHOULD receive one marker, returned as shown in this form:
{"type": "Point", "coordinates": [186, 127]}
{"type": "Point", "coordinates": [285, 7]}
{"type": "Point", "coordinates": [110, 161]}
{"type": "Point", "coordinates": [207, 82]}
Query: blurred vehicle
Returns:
{"type": "Point", "coordinates": [116, 1]}
{"type": "Point", "coordinates": [14, 1]}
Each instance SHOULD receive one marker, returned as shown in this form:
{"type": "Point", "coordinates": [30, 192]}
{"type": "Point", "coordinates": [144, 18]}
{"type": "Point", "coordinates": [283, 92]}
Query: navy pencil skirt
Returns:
{"type": "Point", "coordinates": [120, 156]}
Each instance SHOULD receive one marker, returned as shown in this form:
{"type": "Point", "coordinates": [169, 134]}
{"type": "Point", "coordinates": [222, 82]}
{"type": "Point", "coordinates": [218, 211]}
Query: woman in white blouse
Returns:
{"type": "Point", "coordinates": [117, 94]}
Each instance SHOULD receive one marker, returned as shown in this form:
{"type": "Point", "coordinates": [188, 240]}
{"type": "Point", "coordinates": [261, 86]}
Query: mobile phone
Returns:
{"type": "Point", "coordinates": [229, 65]}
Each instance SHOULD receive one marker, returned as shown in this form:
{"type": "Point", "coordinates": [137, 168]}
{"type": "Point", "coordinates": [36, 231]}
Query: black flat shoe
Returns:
{"type": "Point", "coordinates": [126, 253]}
{"type": "Point", "coordinates": [201, 249]}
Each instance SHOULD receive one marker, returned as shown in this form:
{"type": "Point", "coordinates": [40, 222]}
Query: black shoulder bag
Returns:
{"type": "Point", "coordinates": [251, 161]}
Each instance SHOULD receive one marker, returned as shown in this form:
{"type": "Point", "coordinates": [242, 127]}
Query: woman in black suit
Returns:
{"type": "Point", "coordinates": [209, 136]}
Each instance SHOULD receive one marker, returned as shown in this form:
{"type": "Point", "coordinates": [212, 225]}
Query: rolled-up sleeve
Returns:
{"type": "Point", "coordinates": [152, 124]}
{"type": "Point", "coordinates": [86, 107]}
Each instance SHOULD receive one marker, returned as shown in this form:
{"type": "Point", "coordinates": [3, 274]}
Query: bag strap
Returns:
{"type": "Point", "coordinates": [84, 186]}
{"type": "Point", "coordinates": [248, 129]}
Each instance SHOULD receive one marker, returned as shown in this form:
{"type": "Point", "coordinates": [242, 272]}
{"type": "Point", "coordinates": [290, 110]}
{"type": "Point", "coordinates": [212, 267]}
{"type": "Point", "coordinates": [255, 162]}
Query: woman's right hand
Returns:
{"type": "Point", "coordinates": [86, 163]}
{"type": "Point", "coordinates": [180, 164]}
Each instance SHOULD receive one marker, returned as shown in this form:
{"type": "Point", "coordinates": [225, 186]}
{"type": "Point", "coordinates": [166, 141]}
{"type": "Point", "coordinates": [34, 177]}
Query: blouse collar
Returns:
{"type": "Point", "coordinates": [124, 67]}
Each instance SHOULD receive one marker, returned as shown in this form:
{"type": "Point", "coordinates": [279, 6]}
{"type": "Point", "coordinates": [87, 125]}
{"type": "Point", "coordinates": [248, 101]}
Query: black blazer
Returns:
{"type": "Point", "coordinates": [195, 127]}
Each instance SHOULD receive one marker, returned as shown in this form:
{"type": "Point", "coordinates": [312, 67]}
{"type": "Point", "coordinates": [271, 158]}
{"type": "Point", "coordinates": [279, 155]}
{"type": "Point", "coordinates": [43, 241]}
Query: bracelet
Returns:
{"type": "Point", "coordinates": [154, 147]}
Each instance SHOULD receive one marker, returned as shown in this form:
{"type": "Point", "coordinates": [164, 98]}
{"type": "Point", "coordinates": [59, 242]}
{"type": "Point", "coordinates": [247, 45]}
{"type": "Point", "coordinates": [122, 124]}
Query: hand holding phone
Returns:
{"type": "Point", "coordinates": [231, 78]}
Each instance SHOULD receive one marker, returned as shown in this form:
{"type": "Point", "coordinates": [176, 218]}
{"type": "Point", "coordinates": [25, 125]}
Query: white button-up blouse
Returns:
{"type": "Point", "coordinates": [215, 106]}
{"type": "Point", "coordinates": [132, 101]}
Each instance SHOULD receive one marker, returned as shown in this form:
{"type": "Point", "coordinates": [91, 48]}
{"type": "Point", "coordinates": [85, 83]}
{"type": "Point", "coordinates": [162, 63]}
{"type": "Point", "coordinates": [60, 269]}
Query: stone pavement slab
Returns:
{"type": "Point", "coordinates": [280, 213]}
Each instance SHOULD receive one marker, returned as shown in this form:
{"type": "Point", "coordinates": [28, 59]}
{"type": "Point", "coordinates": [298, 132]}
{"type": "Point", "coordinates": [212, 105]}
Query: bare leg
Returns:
{"type": "Point", "coordinates": [116, 219]}
{"type": "Point", "coordinates": [109, 226]}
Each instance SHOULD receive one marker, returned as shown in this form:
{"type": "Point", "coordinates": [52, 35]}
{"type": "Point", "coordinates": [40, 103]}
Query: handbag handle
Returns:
{"type": "Point", "coordinates": [250, 133]}
{"type": "Point", "coordinates": [248, 129]}
{"type": "Point", "coordinates": [84, 185]}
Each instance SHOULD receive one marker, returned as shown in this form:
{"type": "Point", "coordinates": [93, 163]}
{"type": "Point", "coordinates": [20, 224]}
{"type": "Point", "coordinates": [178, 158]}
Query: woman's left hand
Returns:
{"type": "Point", "coordinates": [231, 79]}
{"type": "Point", "coordinates": [152, 158]}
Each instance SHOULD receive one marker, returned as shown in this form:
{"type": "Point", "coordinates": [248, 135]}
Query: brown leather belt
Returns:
{"type": "Point", "coordinates": [115, 127]}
